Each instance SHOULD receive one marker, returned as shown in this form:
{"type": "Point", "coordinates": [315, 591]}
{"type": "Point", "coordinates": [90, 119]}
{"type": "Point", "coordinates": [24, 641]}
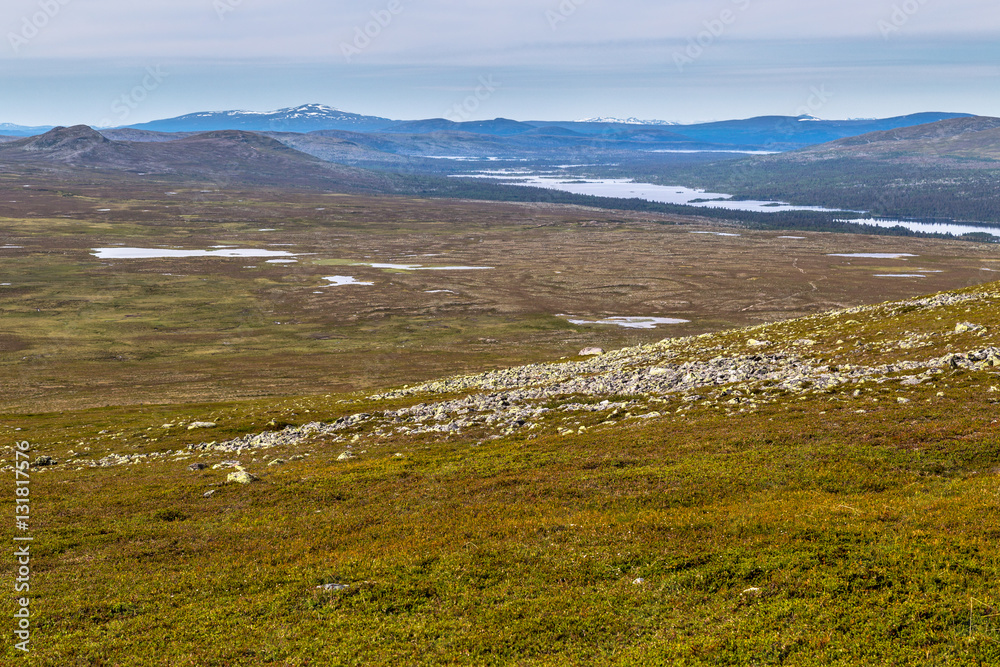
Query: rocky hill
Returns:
{"type": "Point", "coordinates": [224, 157]}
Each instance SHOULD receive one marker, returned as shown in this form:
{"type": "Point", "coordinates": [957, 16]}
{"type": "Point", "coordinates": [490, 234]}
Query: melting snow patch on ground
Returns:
{"type": "Point", "coordinates": [632, 322]}
{"type": "Point", "coordinates": [873, 255]}
{"type": "Point", "coordinates": [336, 281]}
{"type": "Point", "coordinates": [170, 253]}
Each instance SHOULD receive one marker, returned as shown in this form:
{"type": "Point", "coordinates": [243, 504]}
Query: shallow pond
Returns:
{"type": "Point", "coordinates": [631, 322]}
{"type": "Point", "coordinates": [173, 253]}
{"type": "Point", "coordinates": [337, 281]}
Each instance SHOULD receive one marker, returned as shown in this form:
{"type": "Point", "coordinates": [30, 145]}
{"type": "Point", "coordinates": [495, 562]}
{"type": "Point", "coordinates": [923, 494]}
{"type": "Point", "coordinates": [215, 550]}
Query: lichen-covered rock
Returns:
{"type": "Point", "coordinates": [241, 477]}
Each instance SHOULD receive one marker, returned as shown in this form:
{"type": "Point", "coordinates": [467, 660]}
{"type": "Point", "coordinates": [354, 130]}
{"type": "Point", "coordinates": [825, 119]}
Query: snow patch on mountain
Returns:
{"type": "Point", "coordinates": [626, 121]}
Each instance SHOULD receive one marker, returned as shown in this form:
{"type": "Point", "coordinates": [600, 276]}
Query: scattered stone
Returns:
{"type": "Point", "coordinates": [241, 477]}
{"type": "Point", "coordinates": [753, 342]}
{"type": "Point", "coordinates": [209, 493]}
{"type": "Point", "coordinates": [196, 425]}
{"type": "Point", "coordinates": [346, 456]}
{"type": "Point", "coordinates": [197, 466]}
{"type": "Point", "coordinates": [591, 352]}
{"type": "Point", "coordinates": [226, 464]}
{"type": "Point", "coordinates": [963, 327]}
{"type": "Point", "coordinates": [639, 581]}
{"type": "Point", "coordinates": [333, 587]}
{"type": "Point", "coordinates": [277, 462]}
{"type": "Point", "coordinates": [43, 461]}
{"type": "Point", "coordinates": [902, 401]}
{"type": "Point", "coordinates": [751, 591]}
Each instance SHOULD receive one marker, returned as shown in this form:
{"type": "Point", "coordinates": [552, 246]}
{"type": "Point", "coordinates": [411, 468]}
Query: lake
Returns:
{"type": "Point", "coordinates": [620, 188]}
{"type": "Point", "coordinates": [928, 227]}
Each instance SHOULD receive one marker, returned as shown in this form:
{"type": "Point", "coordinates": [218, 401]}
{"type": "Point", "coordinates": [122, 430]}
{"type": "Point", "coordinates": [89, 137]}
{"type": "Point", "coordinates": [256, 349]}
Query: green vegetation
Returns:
{"type": "Point", "coordinates": [826, 528]}
{"type": "Point", "coordinates": [855, 524]}
{"type": "Point", "coordinates": [79, 331]}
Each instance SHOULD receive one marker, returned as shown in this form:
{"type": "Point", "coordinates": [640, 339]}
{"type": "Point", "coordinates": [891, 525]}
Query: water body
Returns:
{"type": "Point", "coordinates": [899, 275]}
{"type": "Point", "coordinates": [733, 152]}
{"type": "Point", "coordinates": [631, 322]}
{"type": "Point", "coordinates": [171, 253]}
{"type": "Point", "coordinates": [418, 267]}
{"type": "Point", "coordinates": [716, 233]}
{"type": "Point", "coordinates": [337, 281]}
{"type": "Point", "coordinates": [873, 255]}
{"type": "Point", "coordinates": [928, 227]}
{"type": "Point", "coordinates": [626, 189]}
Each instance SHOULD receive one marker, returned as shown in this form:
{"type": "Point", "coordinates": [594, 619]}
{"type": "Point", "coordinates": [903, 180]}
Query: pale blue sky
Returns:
{"type": "Point", "coordinates": [69, 61]}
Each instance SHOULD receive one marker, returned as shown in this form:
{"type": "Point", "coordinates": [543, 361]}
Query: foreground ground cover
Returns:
{"type": "Point", "coordinates": [842, 515]}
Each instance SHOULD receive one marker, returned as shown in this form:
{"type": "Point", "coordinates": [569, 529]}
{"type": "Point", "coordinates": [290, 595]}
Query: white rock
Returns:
{"type": "Point", "coordinates": [591, 352]}
{"type": "Point", "coordinates": [193, 425]}
{"type": "Point", "coordinates": [333, 587]}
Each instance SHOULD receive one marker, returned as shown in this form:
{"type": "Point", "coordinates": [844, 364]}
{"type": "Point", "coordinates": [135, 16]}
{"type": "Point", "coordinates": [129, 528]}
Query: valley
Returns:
{"type": "Point", "coordinates": [194, 294]}
{"type": "Point", "coordinates": [279, 409]}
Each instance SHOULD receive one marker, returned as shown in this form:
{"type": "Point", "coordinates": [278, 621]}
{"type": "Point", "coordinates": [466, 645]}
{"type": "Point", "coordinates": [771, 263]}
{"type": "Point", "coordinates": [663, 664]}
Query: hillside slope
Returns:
{"type": "Point", "coordinates": [221, 158]}
{"type": "Point", "coordinates": [947, 170]}
{"type": "Point", "coordinates": [817, 491]}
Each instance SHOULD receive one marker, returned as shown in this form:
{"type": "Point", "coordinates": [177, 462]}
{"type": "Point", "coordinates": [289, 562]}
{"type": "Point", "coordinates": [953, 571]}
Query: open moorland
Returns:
{"type": "Point", "coordinates": [243, 451]}
{"type": "Point", "coordinates": [820, 491]}
{"type": "Point", "coordinates": [82, 328]}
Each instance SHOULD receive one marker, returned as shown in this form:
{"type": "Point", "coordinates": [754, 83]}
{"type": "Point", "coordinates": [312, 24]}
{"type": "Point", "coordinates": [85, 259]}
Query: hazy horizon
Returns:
{"type": "Point", "coordinates": [66, 62]}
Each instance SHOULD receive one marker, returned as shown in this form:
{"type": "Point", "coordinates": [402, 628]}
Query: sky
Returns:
{"type": "Point", "coordinates": [112, 62]}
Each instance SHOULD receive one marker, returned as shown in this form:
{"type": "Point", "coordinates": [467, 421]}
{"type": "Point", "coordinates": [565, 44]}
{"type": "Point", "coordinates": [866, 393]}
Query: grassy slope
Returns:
{"type": "Point", "coordinates": [801, 531]}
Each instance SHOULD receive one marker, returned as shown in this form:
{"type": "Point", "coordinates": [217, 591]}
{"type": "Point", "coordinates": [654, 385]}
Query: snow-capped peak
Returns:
{"type": "Point", "coordinates": [626, 121]}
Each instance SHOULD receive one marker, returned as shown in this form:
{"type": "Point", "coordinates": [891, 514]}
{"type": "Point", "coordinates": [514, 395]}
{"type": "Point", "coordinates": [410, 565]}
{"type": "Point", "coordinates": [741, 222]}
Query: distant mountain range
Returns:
{"type": "Point", "coordinates": [946, 168]}
{"type": "Point", "coordinates": [11, 130]}
{"type": "Point", "coordinates": [305, 118]}
{"type": "Point", "coordinates": [771, 133]}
